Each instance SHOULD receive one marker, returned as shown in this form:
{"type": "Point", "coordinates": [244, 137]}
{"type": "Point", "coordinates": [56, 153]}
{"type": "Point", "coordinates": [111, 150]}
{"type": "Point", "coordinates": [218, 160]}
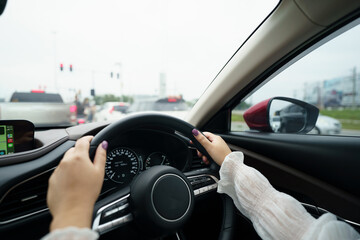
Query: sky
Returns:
{"type": "Point", "coordinates": [188, 41]}
{"type": "Point", "coordinates": [336, 58]}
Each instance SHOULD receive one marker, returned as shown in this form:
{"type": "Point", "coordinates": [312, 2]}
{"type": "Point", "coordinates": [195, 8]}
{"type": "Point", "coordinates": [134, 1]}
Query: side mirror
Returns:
{"type": "Point", "coordinates": [281, 114]}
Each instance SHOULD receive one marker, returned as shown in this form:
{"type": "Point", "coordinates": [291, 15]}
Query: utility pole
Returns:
{"type": "Point", "coordinates": [55, 64]}
{"type": "Point", "coordinates": [93, 78]}
{"type": "Point", "coordinates": [354, 88]}
{"type": "Point", "coordinates": [118, 76]}
{"type": "Point", "coordinates": [162, 86]}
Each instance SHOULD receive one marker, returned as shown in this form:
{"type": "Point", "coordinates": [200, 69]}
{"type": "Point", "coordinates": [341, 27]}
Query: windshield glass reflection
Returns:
{"type": "Point", "coordinates": [70, 62]}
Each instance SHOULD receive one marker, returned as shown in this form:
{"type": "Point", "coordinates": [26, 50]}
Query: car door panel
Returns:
{"type": "Point", "coordinates": [319, 171]}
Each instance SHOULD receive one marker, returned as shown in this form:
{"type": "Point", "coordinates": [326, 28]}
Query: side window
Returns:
{"type": "Point", "coordinates": [328, 78]}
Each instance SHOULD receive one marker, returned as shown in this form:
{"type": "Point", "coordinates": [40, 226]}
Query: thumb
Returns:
{"type": "Point", "coordinates": [201, 139]}
{"type": "Point", "coordinates": [100, 155]}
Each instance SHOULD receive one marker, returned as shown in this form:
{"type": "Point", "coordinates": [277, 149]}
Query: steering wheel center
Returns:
{"type": "Point", "coordinates": [171, 197]}
{"type": "Point", "coordinates": [162, 200]}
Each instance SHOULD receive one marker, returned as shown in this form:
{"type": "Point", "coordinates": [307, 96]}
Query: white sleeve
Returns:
{"type": "Point", "coordinates": [275, 215]}
{"type": "Point", "coordinates": [72, 233]}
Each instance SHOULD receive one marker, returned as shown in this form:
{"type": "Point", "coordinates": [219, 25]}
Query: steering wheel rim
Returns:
{"type": "Point", "coordinates": [143, 120]}
{"type": "Point", "coordinates": [137, 120]}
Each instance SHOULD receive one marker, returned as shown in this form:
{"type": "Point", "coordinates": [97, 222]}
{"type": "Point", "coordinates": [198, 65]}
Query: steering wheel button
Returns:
{"type": "Point", "coordinates": [121, 203]}
{"type": "Point", "coordinates": [118, 221]}
{"type": "Point", "coordinates": [122, 209]}
{"type": "Point", "coordinates": [213, 186]}
{"type": "Point", "coordinates": [128, 218]}
{"type": "Point", "coordinates": [110, 212]}
{"type": "Point", "coordinates": [105, 227]}
{"type": "Point", "coordinates": [195, 182]}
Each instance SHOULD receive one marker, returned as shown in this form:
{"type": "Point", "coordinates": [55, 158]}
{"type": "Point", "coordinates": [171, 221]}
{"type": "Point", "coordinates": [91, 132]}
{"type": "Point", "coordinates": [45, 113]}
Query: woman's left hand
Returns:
{"type": "Point", "coordinates": [75, 185]}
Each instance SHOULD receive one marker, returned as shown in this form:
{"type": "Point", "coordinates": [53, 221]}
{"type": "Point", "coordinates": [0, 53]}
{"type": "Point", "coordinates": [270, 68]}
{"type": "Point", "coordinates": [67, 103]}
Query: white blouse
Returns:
{"type": "Point", "coordinates": [275, 215]}
{"type": "Point", "coordinates": [72, 233]}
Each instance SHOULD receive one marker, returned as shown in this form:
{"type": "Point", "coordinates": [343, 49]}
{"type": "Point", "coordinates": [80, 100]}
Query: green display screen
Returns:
{"type": "Point", "coordinates": [6, 139]}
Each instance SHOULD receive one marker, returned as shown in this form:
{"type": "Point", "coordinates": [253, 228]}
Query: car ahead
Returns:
{"type": "Point", "coordinates": [320, 171]}
{"type": "Point", "coordinates": [42, 108]}
{"type": "Point", "coordinates": [111, 111]}
{"type": "Point", "coordinates": [173, 106]}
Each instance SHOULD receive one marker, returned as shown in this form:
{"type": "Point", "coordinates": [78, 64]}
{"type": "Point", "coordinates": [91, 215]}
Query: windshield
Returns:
{"type": "Point", "coordinates": [86, 53]}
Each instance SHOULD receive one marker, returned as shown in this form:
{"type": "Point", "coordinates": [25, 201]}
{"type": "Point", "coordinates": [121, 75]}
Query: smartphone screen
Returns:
{"type": "Point", "coordinates": [6, 140]}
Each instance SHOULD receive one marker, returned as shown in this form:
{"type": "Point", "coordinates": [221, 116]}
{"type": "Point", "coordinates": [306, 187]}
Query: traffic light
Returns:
{"type": "Point", "coordinates": [71, 68]}
{"type": "Point", "coordinates": [118, 75]}
{"type": "Point", "coordinates": [61, 67]}
{"type": "Point", "coordinates": [111, 74]}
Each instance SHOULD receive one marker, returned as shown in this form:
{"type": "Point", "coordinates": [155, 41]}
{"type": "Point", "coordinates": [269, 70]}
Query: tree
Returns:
{"type": "Point", "coordinates": [242, 106]}
{"type": "Point", "coordinates": [101, 99]}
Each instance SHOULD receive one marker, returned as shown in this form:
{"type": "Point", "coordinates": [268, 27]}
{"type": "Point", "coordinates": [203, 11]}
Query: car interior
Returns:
{"type": "Point", "coordinates": [320, 171]}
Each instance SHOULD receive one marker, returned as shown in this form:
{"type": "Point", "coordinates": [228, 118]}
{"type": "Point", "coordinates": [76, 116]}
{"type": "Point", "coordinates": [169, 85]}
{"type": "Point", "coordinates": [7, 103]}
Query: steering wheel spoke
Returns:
{"type": "Point", "coordinates": [203, 184]}
{"type": "Point", "coordinates": [113, 214]}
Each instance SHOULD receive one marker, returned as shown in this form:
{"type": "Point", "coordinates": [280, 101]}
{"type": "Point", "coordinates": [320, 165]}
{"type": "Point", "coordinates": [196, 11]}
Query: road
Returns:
{"type": "Point", "coordinates": [349, 132]}
{"type": "Point", "coordinates": [241, 126]}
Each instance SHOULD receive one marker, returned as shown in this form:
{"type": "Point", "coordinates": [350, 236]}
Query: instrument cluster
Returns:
{"type": "Point", "coordinates": [122, 163]}
{"type": "Point", "coordinates": [139, 150]}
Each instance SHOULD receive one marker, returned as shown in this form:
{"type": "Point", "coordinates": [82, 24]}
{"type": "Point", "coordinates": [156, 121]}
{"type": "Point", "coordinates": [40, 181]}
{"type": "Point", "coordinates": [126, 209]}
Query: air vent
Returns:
{"type": "Point", "coordinates": [197, 162]}
{"type": "Point", "coordinates": [27, 198]}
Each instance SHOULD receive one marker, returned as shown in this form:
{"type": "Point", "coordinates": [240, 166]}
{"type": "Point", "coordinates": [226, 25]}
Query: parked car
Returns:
{"type": "Point", "coordinates": [111, 111]}
{"type": "Point", "coordinates": [320, 171]}
{"type": "Point", "coordinates": [42, 108]}
{"type": "Point", "coordinates": [295, 113]}
{"type": "Point", "coordinates": [327, 125]}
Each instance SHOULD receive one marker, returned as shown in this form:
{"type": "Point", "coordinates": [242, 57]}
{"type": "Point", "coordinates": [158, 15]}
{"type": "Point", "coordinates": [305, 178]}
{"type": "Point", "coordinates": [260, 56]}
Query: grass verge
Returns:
{"type": "Point", "coordinates": [349, 118]}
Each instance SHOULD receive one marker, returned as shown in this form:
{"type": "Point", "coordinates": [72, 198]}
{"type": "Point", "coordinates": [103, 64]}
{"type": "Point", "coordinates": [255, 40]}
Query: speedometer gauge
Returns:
{"type": "Point", "coordinates": [122, 164]}
{"type": "Point", "coordinates": [156, 158]}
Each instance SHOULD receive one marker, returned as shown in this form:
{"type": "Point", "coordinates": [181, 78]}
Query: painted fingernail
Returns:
{"type": "Point", "coordinates": [104, 144]}
{"type": "Point", "coordinates": [195, 132]}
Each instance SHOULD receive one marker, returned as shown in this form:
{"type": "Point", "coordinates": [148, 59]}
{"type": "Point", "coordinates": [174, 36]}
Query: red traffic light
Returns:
{"type": "Point", "coordinates": [71, 67]}
{"type": "Point", "coordinates": [61, 67]}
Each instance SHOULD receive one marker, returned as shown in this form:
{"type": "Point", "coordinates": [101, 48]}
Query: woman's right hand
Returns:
{"type": "Point", "coordinates": [75, 185]}
{"type": "Point", "coordinates": [214, 145]}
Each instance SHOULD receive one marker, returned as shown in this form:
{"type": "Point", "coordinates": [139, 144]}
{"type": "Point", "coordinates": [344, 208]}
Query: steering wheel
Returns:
{"type": "Point", "coordinates": [160, 199]}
